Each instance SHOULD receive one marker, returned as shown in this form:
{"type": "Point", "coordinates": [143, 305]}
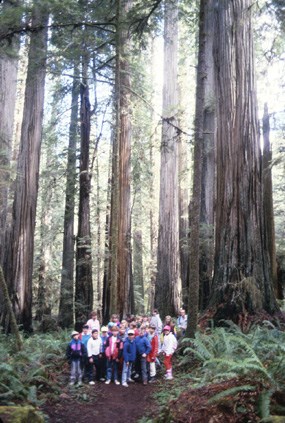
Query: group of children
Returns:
{"type": "Point", "coordinates": [126, 350]}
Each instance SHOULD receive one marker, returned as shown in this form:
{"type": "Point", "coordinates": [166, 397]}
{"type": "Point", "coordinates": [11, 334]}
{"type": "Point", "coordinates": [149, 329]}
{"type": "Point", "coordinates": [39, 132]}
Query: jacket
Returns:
{"type": "Point", "coordinates": [113, 345]}
{"type": "Point", "coordinates": [169, 344]}
{"type": "Point", "coordinates": [154, 349]}
{"type": "Point", "coordinates": [75, 350]}
{"type": "Point", "coordinates": [143, 345]}
{"type": "Point", "coordinates": [129, 351]}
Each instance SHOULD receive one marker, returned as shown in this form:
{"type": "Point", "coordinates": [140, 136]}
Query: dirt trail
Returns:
{"type": "Point", "coordinates": [101, 403]}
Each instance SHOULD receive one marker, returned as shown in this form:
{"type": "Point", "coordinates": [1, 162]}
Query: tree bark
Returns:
{"type": "Point", "coordinates": [19, 266]}
{"type": "Point", "coordinates": [83, 283]}
{"type": "Point", "coordinates": [268, 201]}
{"type": "Point", "coordinates": [167, 290]}
{"type": "Point", "coordinates": [195, 206]}
{"type": "Point", "coordinates": [206, 263]}
{"type": "Point", "coordinates": [66, 306]}
{"type": "Point", "coordinates": [242, 281]}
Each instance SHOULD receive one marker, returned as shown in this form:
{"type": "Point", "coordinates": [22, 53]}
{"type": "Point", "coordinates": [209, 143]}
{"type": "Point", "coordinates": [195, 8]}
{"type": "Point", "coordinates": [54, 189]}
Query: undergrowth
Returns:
{"type": "Point", "coordinates": [31, 374]}
{"type": "Point", "coordinates": [255, 360]}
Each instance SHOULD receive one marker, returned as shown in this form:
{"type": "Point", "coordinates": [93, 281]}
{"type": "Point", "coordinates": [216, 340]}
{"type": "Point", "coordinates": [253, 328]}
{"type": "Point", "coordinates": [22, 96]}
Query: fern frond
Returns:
{"type": "Point", "coordinates": [231, 391]}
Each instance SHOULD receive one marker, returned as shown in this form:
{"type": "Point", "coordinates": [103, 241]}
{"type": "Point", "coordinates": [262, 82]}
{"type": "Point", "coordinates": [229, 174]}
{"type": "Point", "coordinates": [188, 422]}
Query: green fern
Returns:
{"type": "Point", "coordinates": [231, 392]}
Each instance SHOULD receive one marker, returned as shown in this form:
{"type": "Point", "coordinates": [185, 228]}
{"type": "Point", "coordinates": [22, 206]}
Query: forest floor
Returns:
{"type": "Point", "coordinates": [111, 403]}
{"type": "Point", "coordinates": [100, 403]}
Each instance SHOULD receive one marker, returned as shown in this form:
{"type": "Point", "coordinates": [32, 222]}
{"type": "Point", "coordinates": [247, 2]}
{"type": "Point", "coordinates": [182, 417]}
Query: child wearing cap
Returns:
{"type": "Point", "coordinates": [168, 347]}
{"type": "Point", "coordinates": [75, 352]}
{"type": "Point", "coordinates": [113, 347]}
{"type": "Point", "coordinates": [94, 351]}
{"type": "Point", "coordinates": [86, 366]}
{"type": "Point", "coordinates": [129, 356]}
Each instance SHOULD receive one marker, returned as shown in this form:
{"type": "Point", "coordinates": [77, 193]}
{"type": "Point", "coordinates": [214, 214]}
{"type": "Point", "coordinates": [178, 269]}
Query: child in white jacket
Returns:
{"type": "Point", "coordinates": [168, 347]}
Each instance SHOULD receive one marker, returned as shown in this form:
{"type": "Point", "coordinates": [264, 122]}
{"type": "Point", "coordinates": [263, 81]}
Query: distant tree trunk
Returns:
{"type": "Point", "coordinates": [83, 283]}
{"type": "Point", "coordinates": [268, 201]}
{"type": "Point", "coordinates": [167, 288]}
{"type": "Point", "coordinates": [19, 265]}
{"type": "Point", "coordinates": [242, 281]}
{"type": "Point", "coordinates": [65, 317]}
{"type": "Point", "coordinates": [106, 301]}
{"type": "Point", "coordinates": [195, 206]}
{"type": "Point", "coordinates": [43, 303]}
{"type": "Point", "coordinates": [8, 88]}
{"type": "Point", "coordinates": [208, 167]}
{"type": "Point", "coordinates": [138, 272]}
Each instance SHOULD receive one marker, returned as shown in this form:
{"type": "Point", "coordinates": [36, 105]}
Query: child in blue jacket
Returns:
{"type": "Point", "coordinates": [143, 349]}
{"type": "Point", "coordinates": [129, 356]}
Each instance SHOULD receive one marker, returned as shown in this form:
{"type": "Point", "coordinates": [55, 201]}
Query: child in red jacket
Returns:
{"type": "Point", "coordinates": [151, 358]}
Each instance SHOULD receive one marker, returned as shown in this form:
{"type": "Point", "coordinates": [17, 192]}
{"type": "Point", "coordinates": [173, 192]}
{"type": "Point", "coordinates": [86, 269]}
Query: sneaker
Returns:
{"type": "Point", "coordinates": [168, 377]}
{"type": "Point", "coordinates": [108, 382]}
{"type": "Point", "coordinates": [102, 379]}
{"type": "Point", "coordinates": [71, 383]}
{"type": "Point", "coordinates": [117, 382]}
{"type": "Point", "coordinates": [130, 380]}
{"type": "Point", "coordinates": [136, 376]}
{"type": "Point", "coordinates": [91, 381]}
{"type": "Point", "coordinates": [79, 383]}
{"type": "Point", "coordinates": [145, 383]}
{"type": "Point", "coordinates": [125, 385]}
{"type": "Point", "coordinates": [152, 380]}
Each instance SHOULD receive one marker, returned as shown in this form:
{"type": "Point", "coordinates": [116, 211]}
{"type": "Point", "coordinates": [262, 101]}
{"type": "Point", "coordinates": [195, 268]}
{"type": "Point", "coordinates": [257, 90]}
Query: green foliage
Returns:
{"type": "Point", "coordinates": [226, 353]}
{"type": "Point", "coordinates": [30, 375]}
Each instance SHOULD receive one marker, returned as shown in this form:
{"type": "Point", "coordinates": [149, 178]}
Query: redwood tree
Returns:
{"type": "Point", "coordinates": [168, 267]}
{"type": "Point", "coordinates": [242, 281]}
{"type": "Point", "coordinates": [19, 264]}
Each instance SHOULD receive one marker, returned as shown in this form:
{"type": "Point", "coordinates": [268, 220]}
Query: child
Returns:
{"type": "Point", "coordinates": [94, 350]}
{"type": "Point", "coordinates": [93, 322]}
{"type": "Point", "coordinates": [129, 355]}
{"type": "Point", "coordinates": [143, 349]}
{"type": "Point", "coordinates": [113, 347]}
{"type": "Point", "coordinates": [75, 352]}
{"type": "Point", "coordinates": [151, 358]}
{"type": "Point", "coordinates": [168, 347]}
{"type": "Point", "coordinates": [169, 322]}
{"type": "Point", "coordinates": [87, 367]}
{"type": "Point", "coordinates": [103, 360]}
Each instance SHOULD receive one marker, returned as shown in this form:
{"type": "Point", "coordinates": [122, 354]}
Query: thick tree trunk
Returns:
{"type": "Point", "coordinates": [242, 279]}
{"type": "Point", "coordinates": [168, 282]}
{"type": "Point", "coordinates": [83, 283]}
{"type": "Point", "coordinates": [8, 89]}
{"type": "Point", "coordinates": [208, 166]}
{"type": "Point", "coordinates": [120, 232]}
{"type": "Point", "coordinates": [19, 266]}
{"type": "Point", "coordinates": [195, 206]}
{"type": "Point", "coordinates": [65, 317]}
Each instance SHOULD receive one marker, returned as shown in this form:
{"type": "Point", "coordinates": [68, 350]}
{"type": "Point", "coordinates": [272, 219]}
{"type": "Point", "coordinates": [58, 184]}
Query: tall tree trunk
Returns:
{"type": "Point", "coordinates": [67, 277]}
{"type": "Point", "coordinates": [208, 166]}
{"type": "Point", "coordinates": [242, 281]}
{"type": "Point", "coordinates": [8, 89]}
{"type": "Point", "coordinates": [19, 265]}
{"type": "Point", "coordinates": [138, 272]}
{"type": "Point", "coordinates": [195, 206]}
{"type": "Point", "coordinates": [120, 266]}
{"type": "Point", "coordinates": [268, 201]}
{"type": "Point", "coordinates": [168, 268]}
{"type": "Point", "coordinates": [83, 283]}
